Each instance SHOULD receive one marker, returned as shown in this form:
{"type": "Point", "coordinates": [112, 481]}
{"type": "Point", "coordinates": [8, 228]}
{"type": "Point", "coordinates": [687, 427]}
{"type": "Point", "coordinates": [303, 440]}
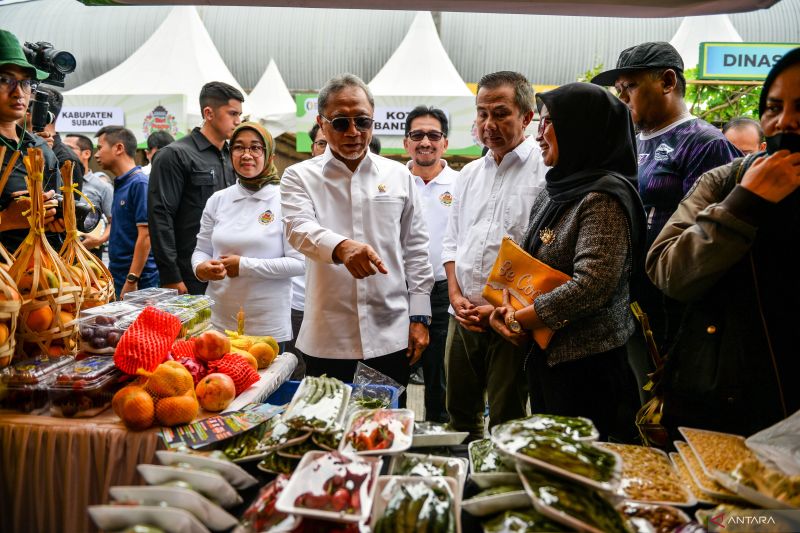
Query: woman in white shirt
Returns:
{"type": "Point", "coordinates": [241, 249]}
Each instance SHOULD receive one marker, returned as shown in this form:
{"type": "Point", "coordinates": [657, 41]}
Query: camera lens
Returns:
{"type": "Point", "coordinates": [64, 62]}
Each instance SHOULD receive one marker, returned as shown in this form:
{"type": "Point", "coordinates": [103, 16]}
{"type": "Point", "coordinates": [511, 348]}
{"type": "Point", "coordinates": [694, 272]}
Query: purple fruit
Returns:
{"type": "Point", "coordinates": [87, 332]}
{"type": "Point", "coordinates": [99, 342]}
{"type": "Point", "coordinates": [104, 320]}
{"type": "Point", "coordinates": [113, 338]}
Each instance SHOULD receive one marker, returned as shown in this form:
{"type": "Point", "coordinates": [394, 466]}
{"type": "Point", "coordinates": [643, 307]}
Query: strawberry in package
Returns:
{"type": "Point", "coordinates": [147, 341]}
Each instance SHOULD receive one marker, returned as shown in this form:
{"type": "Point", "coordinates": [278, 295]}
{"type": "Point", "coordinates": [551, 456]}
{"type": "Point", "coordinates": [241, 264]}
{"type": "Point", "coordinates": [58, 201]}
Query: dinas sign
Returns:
{"type": "Point", "coordinates": [739, 61]}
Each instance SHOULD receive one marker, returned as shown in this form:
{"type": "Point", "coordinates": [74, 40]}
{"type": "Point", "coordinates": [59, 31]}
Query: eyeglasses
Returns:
{"type": "Point", "coordinates": [543, 123]}
{"type": "Point", "coordinates": [418, 135]}
{"type": "Point", "coordinates": [255, 150]}
{"type": "Point", "coordinates": [342, 124]}
{"type": "Point", "coordinates": [10, 84]}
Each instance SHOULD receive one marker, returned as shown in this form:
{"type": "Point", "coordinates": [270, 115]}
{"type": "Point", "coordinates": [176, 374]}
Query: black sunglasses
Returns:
{"type": "Point", "coordinates": [418, 135]}
{"type": "Point", "coordinates": [342, 124]}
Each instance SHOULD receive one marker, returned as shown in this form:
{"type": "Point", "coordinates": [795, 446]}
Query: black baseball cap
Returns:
{"type": "Point", "coordinates": [645, 56]}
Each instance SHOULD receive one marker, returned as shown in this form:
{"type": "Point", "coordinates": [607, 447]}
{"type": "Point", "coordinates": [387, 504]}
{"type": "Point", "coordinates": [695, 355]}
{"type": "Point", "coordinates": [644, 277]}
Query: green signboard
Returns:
{"type": "Point", "coordinates": [739, 61]}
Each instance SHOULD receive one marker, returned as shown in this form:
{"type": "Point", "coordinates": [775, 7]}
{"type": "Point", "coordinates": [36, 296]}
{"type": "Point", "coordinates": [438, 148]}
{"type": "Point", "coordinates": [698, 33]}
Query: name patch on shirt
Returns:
{"type": "Point", "coordinates": [266, 217]}
{"type": "Point", "coordinates": [446, 199]}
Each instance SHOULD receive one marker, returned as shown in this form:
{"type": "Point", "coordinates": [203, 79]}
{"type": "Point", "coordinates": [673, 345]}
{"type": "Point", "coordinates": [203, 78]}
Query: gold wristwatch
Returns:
{"type": "Point", "coordinates": [512, 323]}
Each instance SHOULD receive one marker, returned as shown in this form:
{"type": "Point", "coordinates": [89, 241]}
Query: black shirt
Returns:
{"type": "Point", "coordinates": [65, 153]}
{"type": "Point", "coordinates": [16, 182]}
{"type": "Point", "coordinates": [184, 175]}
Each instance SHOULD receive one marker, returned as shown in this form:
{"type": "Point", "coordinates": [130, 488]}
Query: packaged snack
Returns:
{"type": "Point", "coordinates": [84, 388]}
{"type": "Point", "coordinates": [24, 386]}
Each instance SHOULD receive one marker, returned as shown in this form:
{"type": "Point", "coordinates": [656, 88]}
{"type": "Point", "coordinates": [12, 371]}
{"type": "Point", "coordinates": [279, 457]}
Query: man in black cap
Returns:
{"type": "Point", "coordinates": [18, 80]}
{"type": "Point", "coordinates": [674, 148]}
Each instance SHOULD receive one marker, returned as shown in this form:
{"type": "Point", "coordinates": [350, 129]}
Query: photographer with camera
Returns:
{"type": "Point", "coordinates": [48, 131]}
{"type": "Point", "coordinates": [18, 80]}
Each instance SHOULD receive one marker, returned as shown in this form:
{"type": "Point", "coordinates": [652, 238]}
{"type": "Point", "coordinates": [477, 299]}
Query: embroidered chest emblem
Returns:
{"type": "Point", "coordinates": [663, 152]}
{"type": "Point", "coordinates": [446, 199]}
{"type": "Point", "coordinates": [381, 187]}
{"type": "Point", "coordinates": [266, 217]}
{"type": "Point", "coordinates": [547, 235]}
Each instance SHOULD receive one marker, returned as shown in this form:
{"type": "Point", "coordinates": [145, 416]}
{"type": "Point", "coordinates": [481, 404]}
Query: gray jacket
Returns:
{"type": "Point", "coordinates": [590, 313]}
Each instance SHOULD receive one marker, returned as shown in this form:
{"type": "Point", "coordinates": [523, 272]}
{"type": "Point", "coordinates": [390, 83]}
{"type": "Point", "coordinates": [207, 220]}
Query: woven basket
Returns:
{"type": "Point", "coordinates": [50, 297]}
{"type": "Point", "coordinates": [88, 271]}
{"type": "Point", "coordinates": [10, 301]}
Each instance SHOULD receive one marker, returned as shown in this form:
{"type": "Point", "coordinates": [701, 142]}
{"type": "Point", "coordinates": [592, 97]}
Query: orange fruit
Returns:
{"type": "Point", "coordinates": [250, 358]}
{"type": "Point", "coordinates": [66, 318]}
{"type": "Point", "coordinates": [135, 407]}
{"type": "Point", "coordinates": [168, 379]}
{"type": "Point", "coordinates": [263, 353]}
{"type": "Point", "coordinates": [177, 410]}
{"type": "Point", "coordinates": [3, 333]}
{"type": "Point", "coordinates": [55, 350]}
{"type": "Point", "coordinates": [39, 319]}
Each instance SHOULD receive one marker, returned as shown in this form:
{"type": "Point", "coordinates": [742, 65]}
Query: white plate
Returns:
{"type": "Point", "coordinates": [297, 405]}
{"type": "Point", "coordinates": [675, 457]}
{"type": "Point", "coordinates": [683, 450]}
{"type": "Point", "coordinates": [235, 475]}
{"type": "Point", "coordinates": [553, 513]}
{"type": "Point", "coordinates": [750, 494]}
{"type": "Point", "coordinates": [637, 505]}
{"type": "Point", "coordinates": [610, 486]}
{"type": "Point", "coordinates": [486, 505]}
{"type": "Point", "coordinates": [317, 467]}
{"type": "Point", "coordinates": [455, 467]}
{"type": "Point", "coordinates": [403, 423]}
{"type": "Point", "coordinates": [490, 479]}
{"type": "Point", "coordinates": [212, 486]}
{"type": "Point", "coordinates": [437, 438]}
{"type": "Point", "coordinates": [385, 486]}
{"type": "Point", "coordinates": [708, 470]}
{"type": "Point", "coordinates": [211, 514]}
{"type": "Point", "coordinates": [117, 517]}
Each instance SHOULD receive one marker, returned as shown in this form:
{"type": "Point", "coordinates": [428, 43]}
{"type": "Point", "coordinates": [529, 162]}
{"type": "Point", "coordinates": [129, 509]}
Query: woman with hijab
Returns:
{"type": "Point", "coordinates": [241, 249]}
{"type": "Point", "coordinates": [589, 224]}
{"type": "Point", "coordinates": [730, 252]}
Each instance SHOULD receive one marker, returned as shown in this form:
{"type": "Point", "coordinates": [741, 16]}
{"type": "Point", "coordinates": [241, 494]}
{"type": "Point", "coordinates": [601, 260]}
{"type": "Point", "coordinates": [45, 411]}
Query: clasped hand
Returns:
{"type": "Point", "coordinates": [218, 269]}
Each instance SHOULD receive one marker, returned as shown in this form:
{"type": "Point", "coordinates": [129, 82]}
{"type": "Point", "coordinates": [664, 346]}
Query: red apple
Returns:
{"type": "Point", "coordinates": [215, 392]}
{"type": "Point", "coordinates": [211, 345]}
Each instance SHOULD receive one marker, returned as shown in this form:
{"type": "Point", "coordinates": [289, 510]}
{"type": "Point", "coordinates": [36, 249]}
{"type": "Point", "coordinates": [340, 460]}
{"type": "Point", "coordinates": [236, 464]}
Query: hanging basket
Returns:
{"type": "Point", "coordinates": [10, 301]}
{"type": "Point", "coordinates": [97, 285]}
{"type": "Point", "coordinates": [51, 298]}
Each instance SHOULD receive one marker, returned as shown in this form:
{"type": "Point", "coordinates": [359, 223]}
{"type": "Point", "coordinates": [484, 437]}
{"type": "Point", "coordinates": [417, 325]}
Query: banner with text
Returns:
{"type": "Point", "coordinates": [739, 61]}
{"type": "Point", "coordinates": [89, 119]}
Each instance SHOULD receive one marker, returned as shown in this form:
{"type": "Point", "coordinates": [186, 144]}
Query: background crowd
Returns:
{"type": "Point", "coordinates": [349, 256]}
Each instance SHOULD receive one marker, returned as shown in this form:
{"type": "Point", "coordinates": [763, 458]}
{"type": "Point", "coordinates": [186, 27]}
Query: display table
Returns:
{"type": "Point", "coordinates": [52, 469]}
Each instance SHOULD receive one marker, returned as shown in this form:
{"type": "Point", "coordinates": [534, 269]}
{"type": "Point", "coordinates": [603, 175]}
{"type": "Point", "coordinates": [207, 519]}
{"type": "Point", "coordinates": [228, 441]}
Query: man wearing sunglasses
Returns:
{"type": "Point", "coordinates": [426, 142]}
{"type": "Point", "coordinates": [357, 217]}
{"type": "Point", "coordinates": [18, 80]}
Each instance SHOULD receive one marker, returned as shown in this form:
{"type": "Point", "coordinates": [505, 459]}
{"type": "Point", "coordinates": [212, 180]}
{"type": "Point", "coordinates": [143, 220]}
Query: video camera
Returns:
{"type": "Point", "coordinates": [57, 64]}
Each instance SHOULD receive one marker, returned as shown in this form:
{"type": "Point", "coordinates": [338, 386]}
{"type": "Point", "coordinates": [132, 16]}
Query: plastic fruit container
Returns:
{"type": "Point", "coordinates": [84, 388]}
{"type": "Point", "coordinates": [190, 301]}
{"type": "Point", "coordinates": [150, 296]}
{"type": "Point", "coordinates": [24, 386]}
{"type": "Point", "coordinates": [194, 321]}
{"type": "Point", "coordinates": [100, 334]}
{"type": "Point", "coordinates": [110, 309]}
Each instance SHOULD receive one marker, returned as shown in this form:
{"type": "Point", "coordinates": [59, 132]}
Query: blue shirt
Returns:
{"type": "Point", "coordinates": [128, 212]}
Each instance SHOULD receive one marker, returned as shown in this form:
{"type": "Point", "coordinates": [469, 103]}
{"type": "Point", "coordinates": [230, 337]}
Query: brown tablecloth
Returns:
{"type": "Point", "coordinates": [52, 469]}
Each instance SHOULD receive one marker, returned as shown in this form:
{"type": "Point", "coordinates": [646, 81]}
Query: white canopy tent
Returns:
{"type": "Point", "coordinates": [695, 30]}
{"type": "Point", "coordinates": [420, 65]}
{"type": "Point", "coordinates": [172, 65]}
{"type": "Point", "coordinates": [271, 102]}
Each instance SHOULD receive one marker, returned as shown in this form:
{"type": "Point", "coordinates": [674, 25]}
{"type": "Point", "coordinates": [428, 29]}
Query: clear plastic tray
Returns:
{"type": "Point", "coordinates": [386, 485]}
{"type": "Point", "coordinates": [24, 386]}
{"type": "Point", "coordinates": [486, 505]}
{"type": "Point", "coordinates": [577, 428]}
{"type": "Point", "coordinates": [193, 321]}
{"type": "Point", "coordinates": [400, 423]}
{"type": "Point", "coordinates": [100, 334]}
{"type": "Point", "coordinates": [150, 296]}
{"type": "Point", "coordinates": [455, 467]}
{"type": "Point", "coordinates": [189, 301]}
{"type": "Point", "coordinates": [115, 309]}
{"type": "Point", "coordinates": [315, 470]}
{"type": "Point", "coordinates": [209, 513]}
{"type": "Point", "coordinates": [324, 415]}
{"type": "Point", "coordinates": [491, 478]}
{"type": "Point", "coordinates": [84, 388]}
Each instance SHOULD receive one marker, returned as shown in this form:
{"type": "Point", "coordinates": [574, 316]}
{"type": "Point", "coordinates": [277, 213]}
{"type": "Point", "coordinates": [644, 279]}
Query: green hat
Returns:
{"type": "Point", "coordinates": [11, 53]}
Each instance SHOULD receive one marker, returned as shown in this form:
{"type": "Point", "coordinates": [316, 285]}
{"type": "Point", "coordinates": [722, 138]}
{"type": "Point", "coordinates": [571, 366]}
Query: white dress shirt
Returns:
{"type": "Point", "coordinates": [437, 200]}
{"type": "Point", "coordinates": [237, 221]}
{"type": "Point", "coordinates": [491, 202]}
{"type": "Point", "coordinates": [325, 203]}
